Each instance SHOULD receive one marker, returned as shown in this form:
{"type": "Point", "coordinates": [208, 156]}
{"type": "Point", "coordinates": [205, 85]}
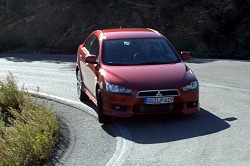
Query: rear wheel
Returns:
{"type": "Point", "coordinates": [81, 94]}
{"type": "Point", "coordinates": [102, 118]}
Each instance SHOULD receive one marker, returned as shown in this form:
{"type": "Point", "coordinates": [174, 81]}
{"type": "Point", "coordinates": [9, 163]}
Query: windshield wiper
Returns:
{"type": "Point", "coordinates": [150, 63]}
{"type": "Point", "coordinates": [116, 64]}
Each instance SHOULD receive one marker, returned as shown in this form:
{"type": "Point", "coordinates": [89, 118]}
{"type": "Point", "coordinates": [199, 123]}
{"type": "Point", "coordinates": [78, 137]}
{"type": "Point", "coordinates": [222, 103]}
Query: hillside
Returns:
{"type": "Point", "coordinates": [218, 28]}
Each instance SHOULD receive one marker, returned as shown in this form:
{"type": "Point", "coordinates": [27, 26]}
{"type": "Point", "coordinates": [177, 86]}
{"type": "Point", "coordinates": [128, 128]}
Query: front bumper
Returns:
{"type": "Point", "coordinates": [128, 105]}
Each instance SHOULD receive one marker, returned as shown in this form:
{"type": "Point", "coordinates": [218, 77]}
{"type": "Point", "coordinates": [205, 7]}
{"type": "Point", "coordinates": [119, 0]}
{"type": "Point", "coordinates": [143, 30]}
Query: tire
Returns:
{"type": "Point", "coordinates": [81, 94]}
{"type": "Point", "coordinates": [102, 118]}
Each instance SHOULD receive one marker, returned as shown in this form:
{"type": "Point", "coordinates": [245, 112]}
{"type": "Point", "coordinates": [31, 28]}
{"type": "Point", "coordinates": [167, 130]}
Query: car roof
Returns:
{"type": "Point", "coordinates": [121, 33]}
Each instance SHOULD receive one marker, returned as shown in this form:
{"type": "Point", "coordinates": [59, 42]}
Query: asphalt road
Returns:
{"type": "Point", "coordinates": [218, 135]}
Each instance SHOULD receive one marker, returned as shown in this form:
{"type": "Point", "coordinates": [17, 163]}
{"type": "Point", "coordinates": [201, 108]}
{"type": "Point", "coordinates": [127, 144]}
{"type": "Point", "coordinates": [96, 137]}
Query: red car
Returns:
{"type": "Point", "coordinates": [134, 71]}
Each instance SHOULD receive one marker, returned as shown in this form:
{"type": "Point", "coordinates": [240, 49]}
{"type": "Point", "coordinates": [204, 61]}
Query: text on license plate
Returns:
{"type": "Point", "coordinates": [158, 100]}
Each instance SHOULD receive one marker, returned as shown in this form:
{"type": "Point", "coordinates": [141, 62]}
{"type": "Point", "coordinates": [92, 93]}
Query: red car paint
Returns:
{"type": "Point", "coordinates": [161, 79]}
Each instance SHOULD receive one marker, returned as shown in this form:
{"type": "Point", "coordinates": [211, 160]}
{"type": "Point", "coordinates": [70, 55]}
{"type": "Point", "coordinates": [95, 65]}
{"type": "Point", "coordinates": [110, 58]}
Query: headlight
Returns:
{"type": "Point", "coordinates": [192, 86]}
{"type": "Point", "coordinates": [116, 88]}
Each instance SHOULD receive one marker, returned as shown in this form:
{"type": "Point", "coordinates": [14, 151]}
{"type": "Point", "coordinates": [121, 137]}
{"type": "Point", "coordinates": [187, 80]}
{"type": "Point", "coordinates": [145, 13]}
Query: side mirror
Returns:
{"type": "Point", "coordinates": [90, 59]}
{"type": "Point", "coordinates": [185, 55]}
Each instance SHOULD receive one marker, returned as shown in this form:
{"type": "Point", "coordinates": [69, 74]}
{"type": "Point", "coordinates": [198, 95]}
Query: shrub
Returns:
{"type": "Point", "coordinates": [28, 131]}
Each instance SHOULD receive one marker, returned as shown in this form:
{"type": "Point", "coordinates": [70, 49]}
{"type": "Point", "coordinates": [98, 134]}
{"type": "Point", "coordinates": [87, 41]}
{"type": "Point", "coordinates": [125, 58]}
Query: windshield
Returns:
{"type": "Point", "coordinates": [138, 52]}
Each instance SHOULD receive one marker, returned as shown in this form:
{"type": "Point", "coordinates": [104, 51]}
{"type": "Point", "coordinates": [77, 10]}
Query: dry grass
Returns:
{"type": "Point", "coordinates": [28, 132]}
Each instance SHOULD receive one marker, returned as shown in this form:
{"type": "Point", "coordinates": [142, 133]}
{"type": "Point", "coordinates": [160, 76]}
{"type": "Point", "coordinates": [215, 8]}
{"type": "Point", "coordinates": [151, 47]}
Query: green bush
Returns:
{"type": "Point", "coordinates": [28, 131]}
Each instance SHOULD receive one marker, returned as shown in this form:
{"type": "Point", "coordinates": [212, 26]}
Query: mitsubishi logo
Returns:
{"type": "Point", "coordinates": [158, 94]}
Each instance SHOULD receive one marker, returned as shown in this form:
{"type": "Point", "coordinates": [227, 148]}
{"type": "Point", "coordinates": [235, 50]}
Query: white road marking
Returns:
{"type": "Point", "coordinates": [123, 146]}
{"type": "Point", "coordinates": [65, 101]}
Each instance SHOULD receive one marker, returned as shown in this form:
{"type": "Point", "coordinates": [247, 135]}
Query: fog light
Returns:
{"type": "Point", "coordinates": [116, 107]}
{"type": "Point", "coordinates": [192, 104]}
{"type": "Point", "coordinates": [119, 107]}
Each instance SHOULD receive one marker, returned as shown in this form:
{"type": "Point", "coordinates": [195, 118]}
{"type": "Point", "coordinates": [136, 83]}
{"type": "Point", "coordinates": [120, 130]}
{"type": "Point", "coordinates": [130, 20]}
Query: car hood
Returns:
{"type": "Point", "coordinates": [150, 77]}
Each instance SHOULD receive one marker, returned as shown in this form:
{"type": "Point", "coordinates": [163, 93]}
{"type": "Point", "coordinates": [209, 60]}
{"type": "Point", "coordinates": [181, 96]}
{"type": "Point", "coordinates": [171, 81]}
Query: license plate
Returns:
{"type": "Point", "coordinates": [158, 100]}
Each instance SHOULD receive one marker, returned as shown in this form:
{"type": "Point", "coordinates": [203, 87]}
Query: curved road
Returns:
{"type": "Point", "coordinates": [218, 135]}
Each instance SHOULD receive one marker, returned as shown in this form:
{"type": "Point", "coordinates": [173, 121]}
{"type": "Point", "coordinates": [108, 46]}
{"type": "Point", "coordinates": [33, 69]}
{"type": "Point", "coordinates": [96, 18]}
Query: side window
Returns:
{"type": "Point", "coordinates": [95, 47]}
{"type": "Point", "coordinates": [89, 43]}
{"type": "Point", "coordinates": [92, 45]}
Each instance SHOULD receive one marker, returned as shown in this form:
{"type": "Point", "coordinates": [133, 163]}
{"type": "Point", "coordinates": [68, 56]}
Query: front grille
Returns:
{"type": "Point", "coordinates": [157, 108]}
{"type": "Point", "coordinates": [158, 93]}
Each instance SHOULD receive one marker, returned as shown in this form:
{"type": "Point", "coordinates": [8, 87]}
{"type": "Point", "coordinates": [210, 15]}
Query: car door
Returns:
{"type": "Point", "coordinates": [90, 69]}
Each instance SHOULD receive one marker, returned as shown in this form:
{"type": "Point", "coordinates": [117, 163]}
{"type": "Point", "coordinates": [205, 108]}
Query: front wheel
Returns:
{"type": "Point", "coordinates": [81, 95]}
{"type": "Point", "coordinates": [102, 118]}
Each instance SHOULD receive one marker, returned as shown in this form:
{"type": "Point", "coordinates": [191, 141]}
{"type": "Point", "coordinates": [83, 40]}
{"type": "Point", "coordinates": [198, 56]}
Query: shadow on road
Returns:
{"type": "Point", "coordinates": [170, 128]}
{"type": "Point", "coordinates": [39, 57]}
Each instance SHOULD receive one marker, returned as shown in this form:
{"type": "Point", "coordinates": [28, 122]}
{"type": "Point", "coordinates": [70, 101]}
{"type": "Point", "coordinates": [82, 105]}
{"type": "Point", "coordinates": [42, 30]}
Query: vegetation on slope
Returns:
{"type": "Point", "coordinates": [28, 132]}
